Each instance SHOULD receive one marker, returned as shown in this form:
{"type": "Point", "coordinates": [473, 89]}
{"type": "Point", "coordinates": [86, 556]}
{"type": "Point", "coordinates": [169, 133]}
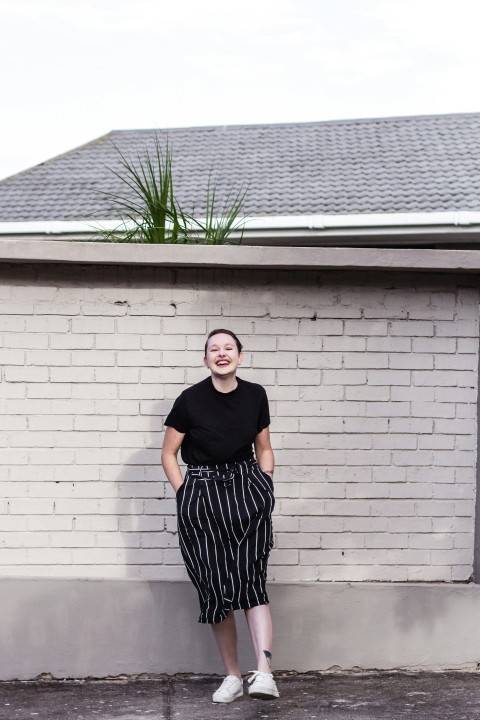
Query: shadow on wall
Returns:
{"type": "Point", "coordinates": [146, 511]}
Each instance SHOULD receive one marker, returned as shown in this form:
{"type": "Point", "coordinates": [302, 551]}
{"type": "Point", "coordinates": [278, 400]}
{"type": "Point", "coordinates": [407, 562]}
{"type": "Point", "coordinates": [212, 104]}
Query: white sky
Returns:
{"type": "Point", "coordinates": [74, 69]}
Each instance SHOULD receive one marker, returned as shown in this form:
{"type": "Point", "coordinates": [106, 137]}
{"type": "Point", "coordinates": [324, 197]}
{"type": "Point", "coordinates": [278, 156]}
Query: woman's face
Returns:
{"type": "Point", "coordinates": [222, 358]}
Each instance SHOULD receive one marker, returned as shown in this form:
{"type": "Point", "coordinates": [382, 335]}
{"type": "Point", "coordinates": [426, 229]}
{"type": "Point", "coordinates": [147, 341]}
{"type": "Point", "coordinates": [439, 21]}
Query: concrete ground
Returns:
{"type": "Point", "coordinates": [439, 696]}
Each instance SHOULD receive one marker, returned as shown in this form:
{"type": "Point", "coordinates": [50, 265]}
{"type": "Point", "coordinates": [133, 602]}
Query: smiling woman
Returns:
{"type": "Point", "coordinates": [224, 506]}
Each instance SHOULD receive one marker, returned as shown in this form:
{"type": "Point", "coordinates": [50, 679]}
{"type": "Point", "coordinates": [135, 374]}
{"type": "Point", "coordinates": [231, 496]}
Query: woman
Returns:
{"type": "Point", "coordinates": [224, 506]}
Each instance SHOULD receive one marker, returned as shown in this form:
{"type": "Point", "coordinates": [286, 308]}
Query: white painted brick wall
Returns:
{"type": "Point", "coordinates": [373, 389]}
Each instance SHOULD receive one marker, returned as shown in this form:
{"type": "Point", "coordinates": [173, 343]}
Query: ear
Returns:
{"type": "Point", "coordinates": [205, 362]}
{"type": "Point", "coordinates": [240, 358]}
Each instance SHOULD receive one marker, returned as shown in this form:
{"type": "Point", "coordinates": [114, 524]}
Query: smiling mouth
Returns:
{"type": "Point", "coordinates": [222, 363]}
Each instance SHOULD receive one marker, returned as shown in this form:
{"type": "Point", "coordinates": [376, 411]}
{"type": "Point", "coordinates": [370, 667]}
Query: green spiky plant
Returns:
{"type": "Point", "coordinates": [217, 227]}
{"type": "Point", "coordinates": [151, 214]}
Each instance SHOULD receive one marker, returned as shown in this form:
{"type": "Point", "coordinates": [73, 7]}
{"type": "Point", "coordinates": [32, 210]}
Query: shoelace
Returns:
{"type": "Point", "coordinates": [255, 674]}
{"type": "Point", "coordinates": [228, 682]}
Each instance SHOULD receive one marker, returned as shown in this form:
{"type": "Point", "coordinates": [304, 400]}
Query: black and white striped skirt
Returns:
{"type": "Point", "coordinates": [225, 531]}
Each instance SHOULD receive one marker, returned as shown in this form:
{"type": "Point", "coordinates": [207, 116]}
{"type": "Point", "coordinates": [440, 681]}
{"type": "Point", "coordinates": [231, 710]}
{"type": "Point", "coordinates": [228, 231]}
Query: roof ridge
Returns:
{"type": "Point", "coordinates": [303, 123]}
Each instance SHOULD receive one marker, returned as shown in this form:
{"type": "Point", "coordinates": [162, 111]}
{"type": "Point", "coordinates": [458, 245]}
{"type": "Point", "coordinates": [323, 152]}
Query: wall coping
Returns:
{"type": "Point", "coordinates": [17, 250]}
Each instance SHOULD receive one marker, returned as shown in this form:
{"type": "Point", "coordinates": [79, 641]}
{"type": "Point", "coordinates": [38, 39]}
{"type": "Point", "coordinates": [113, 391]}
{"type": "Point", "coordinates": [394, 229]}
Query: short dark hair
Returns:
{"type": "Point", "coordinates": [225, 332]}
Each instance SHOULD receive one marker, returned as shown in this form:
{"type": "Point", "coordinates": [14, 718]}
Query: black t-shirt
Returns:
{"type": "Point", "coordinates": [219, 427]}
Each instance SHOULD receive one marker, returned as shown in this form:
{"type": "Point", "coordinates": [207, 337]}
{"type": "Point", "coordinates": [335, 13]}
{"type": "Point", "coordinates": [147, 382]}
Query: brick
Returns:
{"type": "Point", "coordinates": [432, 409]}
{"type": "Point", "coordinates": [408, 556]}
{"type": "Point", "coordinates": [71, 374]}
{"type": "Point", "coordinates": [367, 457]}
{"type": "Point", "coordinates": [349, 474]}
{"type": "Point", "coordinates": [366, 327]}
{"type": "Point", "coordinates": [12, 324]}
{"type": "Point", "coordinates": [320, 392]}
{"type": "Point", "coordinates": [16, 308]}
{"type": "Point", "coordinates": [116, 375]}
{"type": "Point", "coordinates": [368, 490]}
{"type": "Point", "coordinates": [368, 392]}
{"type": "Point", "coordinates": [30, 506]}
{"type": "Point", "coordinates": [50, 422]}
{"type": "Point", "coordinates": [14, 456]}
{"type": "Point", "coordinates": [459, 328]}
{"type": "Point", "coordinates": [456, 362]}
{"type": "Point", "coordinates": [393, 507]}
{"type": "Point", "coordinates": [142, 358]}
{"type": "Point", "coordinates": [410, 490]}
{"type": "Point", "coordinates": [47, 324]}
{"type": "Point", "coordinates": [318, 360]}
{"type": "Point", "coordinates": [342, 343]}
{"type": "Point", "coordinates": [411, 361]}
{"type": "Point", "coordinates": [318, 327]}
{"type": "Point", "coordinates": [412, 425]}
{"type": "Point", "coordinates": [457, 458]}
{"type": "Point", "coordinates": [24, 340]}
{"type": "Point", "coordinates": [389, 344]}
{"type": "Point", "coordinates": [164, 342]}
{"type": "Point", "coordinates": [347, 507]}
{"type": "Point", "coordinates": [366, 360]}
{"type": "Point", "coordinates": [388, 377]}
{"type": "Point", "coordinates": [298, 377]}
{"type": "Point", "coordinates": [320, 424]}
{"type": "Point", "coordinates": [394, 441]}
{"type": "Point", "coordinates": [411, 328]}
{"type": "Point", "coordinates": [430, 541]}
{"type": "Point", "coordinates": [172, 326]}
{"type": "Point", "coordinates": [11, 357]}
{"type": "Point", "coordinates": [331, 556]}
{"type": "Point", "coordinates": [26, 374]}
{"type": "Point", "coordinates": [302, 507]}
{"type": "Point", "coordinates": [50, 390]}
{"type": "Point", "coordinates": [321, 524]}
{"type": "Point", "coordinates": [322, 490]}
{"type": "Point", "coordinates": [294, 343]}
{"type": "Point", "coordinates": [343, 540]}
{"type": "Point", "coordinates": [467, 345]}
{"type": "Point", "coordinates": [93, 325]}
{"type": "Point", "coordinates": [294, 574]}
{"type": "Point", "coordinates": [117, 342]}
{"type": "Point", "coordinates": [272, 360]}
{"type": "Point", "coordinates": [388, 409]}
{"type": "Point", "coordinates": [344, 377]}
{"type": "Point", "coordinates": [57, 308]}
{"type": "Point", "coordinates": [433, 345]}
{"type": "Point", "coordinates": [386, 540]}
{"type": "Point", "coordinates": [418, 394]}
{"type": "Point", "coordinates": [296, 540]}
{"type": "Point", "coordinates": [105, 309]}
{"type": "Point", "coordinates": [164, 375]}
{"type": "Point", "coordinates": [286, 524]}
{"type": "Point", "coordinates": [451, 557]}
{"type": "Point", "coordinates": [367, 524]}
{"type": "Point", "coordinates": [370, 425]}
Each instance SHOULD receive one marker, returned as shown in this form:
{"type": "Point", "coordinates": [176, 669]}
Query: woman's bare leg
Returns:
{"type": "Point", "coordinates": [225, 634]}
{"type": "Point", "coordinates": [260, 625]}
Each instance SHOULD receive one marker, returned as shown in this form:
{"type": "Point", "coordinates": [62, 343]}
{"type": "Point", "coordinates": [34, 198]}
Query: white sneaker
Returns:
{"type": "Point", "coordinates": [230, 689]}
{"type": "Point", "coordinates": [262, 686]}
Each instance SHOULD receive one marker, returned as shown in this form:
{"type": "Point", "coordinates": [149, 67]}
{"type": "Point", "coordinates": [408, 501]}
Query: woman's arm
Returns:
{"type": "Point", "coordinates": [264, 452]}
{"type": "Point", "coordinates": [171, 445]}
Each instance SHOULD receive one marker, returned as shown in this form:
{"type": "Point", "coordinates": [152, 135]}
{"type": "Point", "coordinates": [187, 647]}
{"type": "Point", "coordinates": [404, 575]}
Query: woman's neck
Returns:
{"type": "Point", "coordinates": [224, 384]}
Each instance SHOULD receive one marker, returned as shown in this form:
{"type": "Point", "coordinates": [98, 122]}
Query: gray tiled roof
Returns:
{"type": "Point", "coordinates": [407, 164]}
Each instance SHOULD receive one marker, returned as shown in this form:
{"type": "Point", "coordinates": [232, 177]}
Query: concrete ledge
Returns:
{"type": "Point", "coordinates": [20, 250]}
{"type": "Point", "coordinates": [80, 628]}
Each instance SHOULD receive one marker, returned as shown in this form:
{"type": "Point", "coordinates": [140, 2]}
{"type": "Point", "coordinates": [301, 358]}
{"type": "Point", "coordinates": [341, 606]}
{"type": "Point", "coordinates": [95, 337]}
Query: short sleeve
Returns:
{"type": "Point", "coordinates": [178, 415]}
{"type": "Point", "coordinates": [263, 414]}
